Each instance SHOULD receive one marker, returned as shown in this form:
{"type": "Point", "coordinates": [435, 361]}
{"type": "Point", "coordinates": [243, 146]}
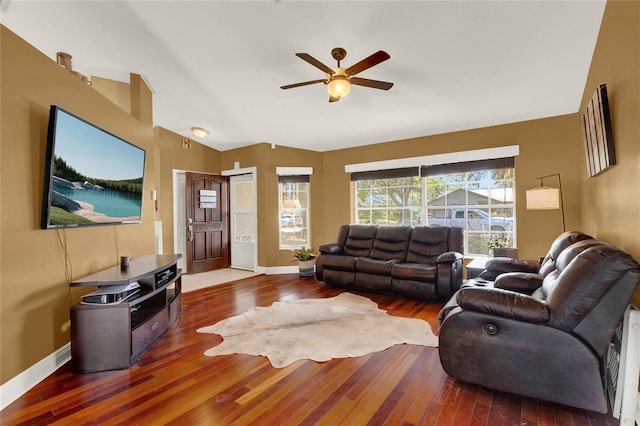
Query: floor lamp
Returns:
{"type": "Point", "coordinates": [546, 197]}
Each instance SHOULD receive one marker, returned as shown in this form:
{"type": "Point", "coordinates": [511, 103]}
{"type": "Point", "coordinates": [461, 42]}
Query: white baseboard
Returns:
{"type": "Point", "coordinates": [23, 382]}
{"type": "Point", "coordinates": [275, 270]}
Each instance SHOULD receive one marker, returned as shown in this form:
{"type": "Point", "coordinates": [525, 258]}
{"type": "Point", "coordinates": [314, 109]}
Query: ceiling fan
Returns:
{"type": "Point", "coordinates": [339, 80]}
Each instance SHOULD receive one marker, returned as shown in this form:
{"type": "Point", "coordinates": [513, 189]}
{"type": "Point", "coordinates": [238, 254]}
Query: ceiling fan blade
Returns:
{"type": "Point", "coordinates": [376, 84]}
{"type": "Point", "coordinates": [334, 98]}
{"type": "Point", "coordinates": [366, 63]}
{"type": "Point", "coordinates": [304, 83]}
{"type": "Point", "coordinates": [316, 63]}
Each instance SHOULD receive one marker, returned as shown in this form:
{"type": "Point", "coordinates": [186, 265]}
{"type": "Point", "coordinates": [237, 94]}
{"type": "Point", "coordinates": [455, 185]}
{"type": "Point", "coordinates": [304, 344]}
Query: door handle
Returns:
{"type": "Point", "coordinates": [190, 229]}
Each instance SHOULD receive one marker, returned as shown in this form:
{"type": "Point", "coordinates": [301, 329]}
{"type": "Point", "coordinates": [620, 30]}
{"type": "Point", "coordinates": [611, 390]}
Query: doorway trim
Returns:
{"type": "Point", "coordinates": [179, 229]}
{"type": "Point", "coordinates": [253, 171]}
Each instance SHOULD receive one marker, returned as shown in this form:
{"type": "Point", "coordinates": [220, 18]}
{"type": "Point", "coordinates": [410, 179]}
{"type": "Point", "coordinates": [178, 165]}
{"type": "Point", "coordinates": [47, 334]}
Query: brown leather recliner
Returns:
{"type": "Point", "coordinates": [550, 345]}
{"type": "Point", "coordinates": [526, 276]}
{"type": "Point", "coordinates": [522, 276]}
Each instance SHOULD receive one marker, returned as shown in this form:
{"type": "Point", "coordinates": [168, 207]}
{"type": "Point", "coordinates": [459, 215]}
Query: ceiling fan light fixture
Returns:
{"type": "Point", "coordinates": [339, 80]}
{"type": "Point", "coordinates": [339, 86]}
{"type": "Point", "coordinates": [199, 132]}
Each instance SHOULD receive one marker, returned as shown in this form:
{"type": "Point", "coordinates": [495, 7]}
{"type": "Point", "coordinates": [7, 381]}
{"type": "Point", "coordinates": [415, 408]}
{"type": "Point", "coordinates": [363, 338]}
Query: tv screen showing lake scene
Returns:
{"type": "Point", "coordinates": [93, 177]}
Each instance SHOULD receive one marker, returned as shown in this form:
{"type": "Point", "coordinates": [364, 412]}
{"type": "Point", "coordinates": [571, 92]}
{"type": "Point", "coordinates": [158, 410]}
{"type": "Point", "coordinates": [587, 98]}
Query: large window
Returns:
{"type": "Point", "coordinates": [396, 201]}
{"type": "Point", "coordinates": [293, 212]}
{"type": "Point", "coordinates": [476, 196]}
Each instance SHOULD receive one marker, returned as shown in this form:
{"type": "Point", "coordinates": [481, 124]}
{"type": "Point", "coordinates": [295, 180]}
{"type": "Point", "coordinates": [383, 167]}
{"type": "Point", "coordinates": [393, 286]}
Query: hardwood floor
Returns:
{"type": "Point", "coordinates": [174, 383]}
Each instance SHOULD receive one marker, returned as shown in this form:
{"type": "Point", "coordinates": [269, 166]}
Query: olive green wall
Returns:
{"type": "Point", "coordinates": [610, 202]}
{"type": "Point", "coordinates": [547, 146]}
{"type": "Point", "coordinates": [543, 150]}
{"type": "Point", "coordinates": [116, 91]}
{"type": "Point", "coordinates": [266, 159]}
{"type": "Point", "coordinates": [173, 155]}
{"type": "Point", "coordinates": [34, 292]}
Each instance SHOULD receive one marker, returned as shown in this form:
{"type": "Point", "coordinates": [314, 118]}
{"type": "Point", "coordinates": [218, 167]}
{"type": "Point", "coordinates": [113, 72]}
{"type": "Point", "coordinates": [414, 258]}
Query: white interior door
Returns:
{"type": "Point", "coordinates": [243, 221]}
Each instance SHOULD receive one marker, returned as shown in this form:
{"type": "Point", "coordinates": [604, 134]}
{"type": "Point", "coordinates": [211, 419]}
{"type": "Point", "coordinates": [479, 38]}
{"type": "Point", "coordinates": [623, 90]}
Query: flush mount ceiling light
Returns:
{"type": "Point", "coordinates": [199, 132]}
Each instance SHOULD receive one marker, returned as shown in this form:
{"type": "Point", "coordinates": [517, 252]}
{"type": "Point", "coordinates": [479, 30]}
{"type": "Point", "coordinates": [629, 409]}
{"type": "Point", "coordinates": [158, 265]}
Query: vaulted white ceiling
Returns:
{"type": "Point", "coordinates": [456, 65]}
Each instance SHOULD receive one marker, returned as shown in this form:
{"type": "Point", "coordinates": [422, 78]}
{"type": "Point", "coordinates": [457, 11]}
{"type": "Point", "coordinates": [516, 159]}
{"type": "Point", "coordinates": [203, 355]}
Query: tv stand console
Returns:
{"type": "Point", "coordinates": [114, 336]}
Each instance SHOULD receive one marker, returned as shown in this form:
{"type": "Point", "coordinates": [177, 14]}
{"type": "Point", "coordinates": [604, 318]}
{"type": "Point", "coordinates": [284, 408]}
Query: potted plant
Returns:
{"type": "Point", "coordinates": [500, 248]}
{"type": "Point", "coordinates": [306, 261]}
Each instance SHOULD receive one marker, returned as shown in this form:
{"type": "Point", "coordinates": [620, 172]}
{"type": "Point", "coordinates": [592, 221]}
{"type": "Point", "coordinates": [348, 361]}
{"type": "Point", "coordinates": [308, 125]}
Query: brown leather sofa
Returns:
{"type": "Point", "coordinates": [551, 344]}
{"type": "Point", "coordinates": [419, 262]}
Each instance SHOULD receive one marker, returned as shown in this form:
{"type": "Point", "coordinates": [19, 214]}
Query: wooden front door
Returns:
{"type": "Point", "coordinates": [207, 203]}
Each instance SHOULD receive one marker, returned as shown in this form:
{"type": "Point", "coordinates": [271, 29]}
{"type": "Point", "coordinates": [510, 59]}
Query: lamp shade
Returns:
{"type": "Point", "coordinates": [543, 198]}
{"type": "Point", "coordinates": [339, 86]}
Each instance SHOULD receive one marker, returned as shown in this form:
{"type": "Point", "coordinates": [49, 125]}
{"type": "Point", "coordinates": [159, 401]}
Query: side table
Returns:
{"type": "Point", "coordinates": [476, 266]}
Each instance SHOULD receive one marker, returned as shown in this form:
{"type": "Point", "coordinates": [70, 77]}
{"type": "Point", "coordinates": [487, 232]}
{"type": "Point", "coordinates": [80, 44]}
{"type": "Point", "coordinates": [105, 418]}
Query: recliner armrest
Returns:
{"type": "Point", "coordinates": [331, 248]}
{"type": "Point", "coordinates": [449, 257]}
{"type": "Point", "coordinates": [520, 282]}
{"type": "Point", "coordinates": [503, 303]}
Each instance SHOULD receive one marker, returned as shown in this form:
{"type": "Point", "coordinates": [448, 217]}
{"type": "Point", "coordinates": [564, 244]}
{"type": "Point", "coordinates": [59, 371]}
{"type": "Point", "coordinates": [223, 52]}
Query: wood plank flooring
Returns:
{"type": "Point", "coordinates": [175, 384]}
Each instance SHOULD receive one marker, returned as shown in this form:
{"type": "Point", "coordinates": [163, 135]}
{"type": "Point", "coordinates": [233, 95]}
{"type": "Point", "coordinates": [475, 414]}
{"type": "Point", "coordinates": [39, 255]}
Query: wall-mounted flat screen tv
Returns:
{"type": "Point", "coordinates": [91, 177]}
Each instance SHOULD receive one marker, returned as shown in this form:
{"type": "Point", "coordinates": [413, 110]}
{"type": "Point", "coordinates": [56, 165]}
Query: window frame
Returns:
{"type": "Point", "coordinates": [294, 184]}
{"type": "Point", "coordinates": [480, 238]}
{"type": "Point", "coordinates": [490, 181]}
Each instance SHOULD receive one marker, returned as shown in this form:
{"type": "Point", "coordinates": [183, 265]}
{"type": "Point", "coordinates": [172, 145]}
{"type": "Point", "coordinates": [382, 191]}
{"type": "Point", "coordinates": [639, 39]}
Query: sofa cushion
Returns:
{"type": "Point", "coordinates": [391, 243]}
{"type": "Point", "coordinates": [586, 281]}
{"type": "Point", "coordinates": [375, 266]}
{"type": "Point", "coordinates": [559, 244]}
{"type": "Point", "coordinates": [379, 283]}
{"type": "Point", "coordinates": [339, 262]}
{"type": "Point", "coordinates": [415, 272]}
{"type": "Point", "coordinates": [360, 240]}
{"type": "Point", "coordinates": [340, 278]}
{"type": "Point", "coordinates": [415, 289]}
{"type": "Point", "coordinates": [427, 243]}
{"type": "Point", "coordinates": [571, 252]}
{"type": "Point", "coordinates": [343, 233]}
{"type": "Point", "coordinates": [562, 262]}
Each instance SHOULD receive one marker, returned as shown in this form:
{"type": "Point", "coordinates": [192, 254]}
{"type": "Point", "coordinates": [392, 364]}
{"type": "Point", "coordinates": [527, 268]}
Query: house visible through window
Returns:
{"type": "Point", "coordinates": [293, 211]}
{"type": "Point", "coordinates": [477, 196]}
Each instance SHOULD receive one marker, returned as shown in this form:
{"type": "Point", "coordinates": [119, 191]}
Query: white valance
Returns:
{"type": "Point", "coordinates": [429, 160]}
{"type": "Point", "coordinates": [294, 171]}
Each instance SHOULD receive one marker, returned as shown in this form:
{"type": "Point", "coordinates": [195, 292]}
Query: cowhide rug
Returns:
{"type": "Point", "coordinates": [317, 329]}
